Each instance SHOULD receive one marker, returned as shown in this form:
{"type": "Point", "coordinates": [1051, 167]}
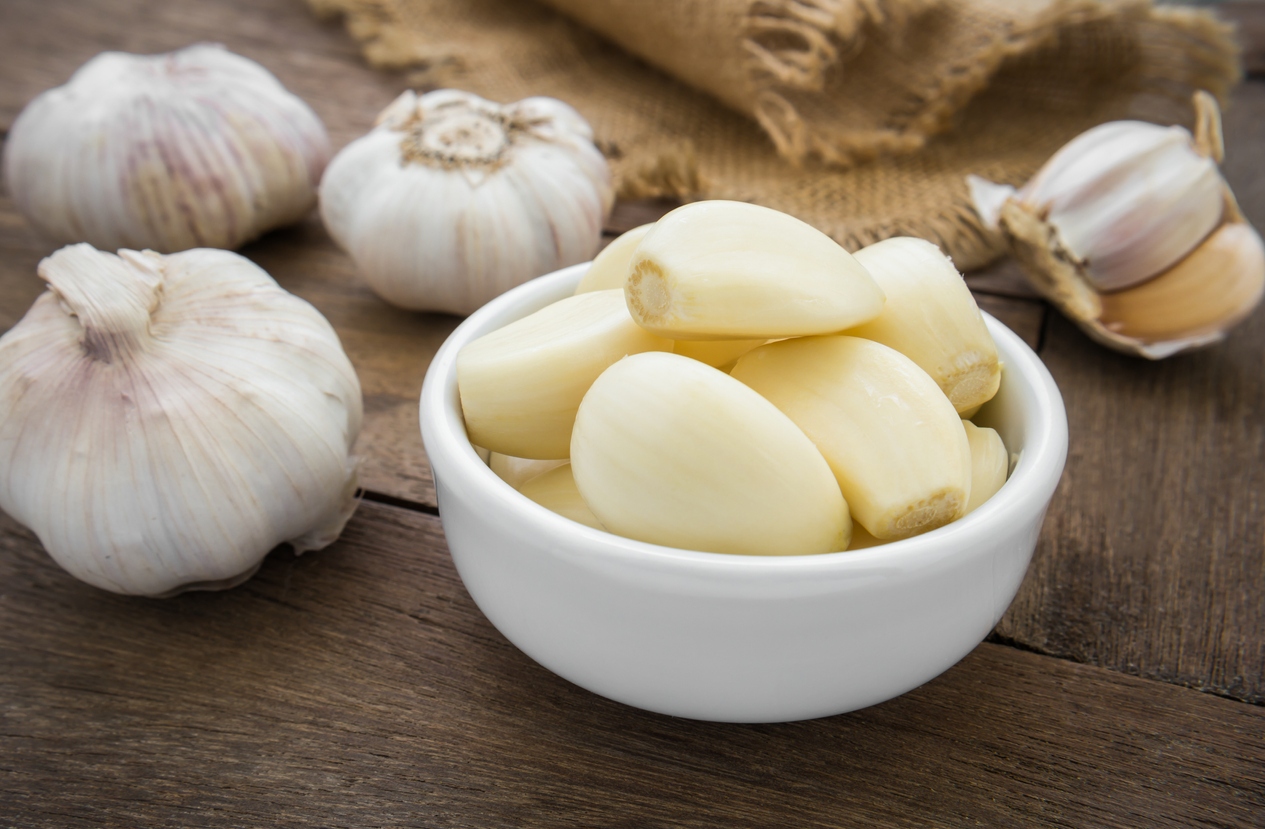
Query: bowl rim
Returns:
{"type": "Point", "coordinates": [1025, 495]}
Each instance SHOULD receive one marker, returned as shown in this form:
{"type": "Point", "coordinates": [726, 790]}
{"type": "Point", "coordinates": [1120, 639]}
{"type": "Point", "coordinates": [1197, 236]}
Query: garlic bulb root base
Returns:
{"type": "Point", "coordinates": [1054, 271]}
{"type": "Point", "coordinates": [451, 199]}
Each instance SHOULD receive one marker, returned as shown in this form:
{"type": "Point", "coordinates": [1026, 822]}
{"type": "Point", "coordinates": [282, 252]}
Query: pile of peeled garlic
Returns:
{"type": "Point", "coordinates": [167, 420]}
{"type": "Point", "coordinates": [196, 148]}
{"type": "Point", "coordinates": [1133, 234]}
{"type": "Point", "coordinates": [731, 380]}
{"type": "Point", "coordinates": [451, 200]}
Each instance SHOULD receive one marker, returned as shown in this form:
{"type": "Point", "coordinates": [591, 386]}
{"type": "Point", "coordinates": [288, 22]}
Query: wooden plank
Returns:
{"type": "Point", "coordinates": [1153, 557]}
{"type": "Point", "coordinates": [1249, 18]}
{"type": "Point", "coordinates": [360, 686]}
{"type": "Point", "coordinates": [1003, 278]}
{"type": "Point", "coordinates": [1024, 317]}
{"type": "Point", "coordinates": [42, 43]}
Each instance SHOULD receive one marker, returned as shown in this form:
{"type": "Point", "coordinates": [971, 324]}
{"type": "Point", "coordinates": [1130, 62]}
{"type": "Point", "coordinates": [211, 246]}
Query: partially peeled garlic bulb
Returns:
{"type": "Point", "coordinates": [196, 148]}
{"type": "Point", "coordinates": [165, 421]}
{"type": "Point", "coordinates": [452, 200]}
{"type": "Point", "coordinates": [1131, 231]}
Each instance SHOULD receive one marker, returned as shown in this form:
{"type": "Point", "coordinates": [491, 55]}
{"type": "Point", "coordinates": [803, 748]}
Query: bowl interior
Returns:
{"type": "Point", "coordinates": [1027, 412]}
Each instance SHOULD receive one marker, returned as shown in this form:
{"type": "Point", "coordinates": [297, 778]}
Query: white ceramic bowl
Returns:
{"type": "Point", "coordinates": [739, 638]}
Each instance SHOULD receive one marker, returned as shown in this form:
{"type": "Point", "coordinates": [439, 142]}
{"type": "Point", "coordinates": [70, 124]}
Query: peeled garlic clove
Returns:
{"type": "Point", "coordinates": [610, 267]}
{"type": "Point", "coordinates": [1211, 290]}
{"type": "Point", "coordinates": [521, 385]}
{"type": "Point", "coordinates": [730, 270]}
{"type": "Point", "coordinates": [990, 463]}
{"type": "Point", "coordinates": [931, 318]}
{"type": "Point", "coordinates": [452, 200]}
{"type": "Point", "coordinates": [555, 490]}
{"type": "Point", "coordinates": [893, 440]}
{"type": "Point", "coordinates": [518, 471]}
{"type": "Point", "coordinates": [669, 451]}
{"type": "Point", "coordinates": [196, 148]}
{"type": "Point", "coordinates": [610, 270]}
{"type": "Point", "coordinates": [165, 421]}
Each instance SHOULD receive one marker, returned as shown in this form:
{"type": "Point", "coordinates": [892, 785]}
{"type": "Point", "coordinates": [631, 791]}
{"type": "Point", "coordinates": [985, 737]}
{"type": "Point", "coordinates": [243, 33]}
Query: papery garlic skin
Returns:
{"type": "Point", "coordinates": [452, 200]}
{"type": "Point", "coordinates": [1190, 267]}
{"type": "Point", "coordinates": [1215, 287]}
{"type": "Point", "coordinates": [1129, 199]}
{"type": "Point", "coordinates": [195, 148]}
{"type": "Point", "coordinates": [166, 421]}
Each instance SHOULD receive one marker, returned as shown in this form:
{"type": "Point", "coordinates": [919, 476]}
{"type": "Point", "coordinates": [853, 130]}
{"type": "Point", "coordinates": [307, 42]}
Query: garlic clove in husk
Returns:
{"type": "Point", "coordinates": [452, 200]}
{"type": "Point", "coordinates": [1128, 199]}
{"type": "Point", "coordinates": [165, 421]}
{"type": "Point", "coordinates": [1214, 287]}
{"type": "Point", "coordinates": [195, 148]}
{"type": "Point", "coordinates": [1133, 234]}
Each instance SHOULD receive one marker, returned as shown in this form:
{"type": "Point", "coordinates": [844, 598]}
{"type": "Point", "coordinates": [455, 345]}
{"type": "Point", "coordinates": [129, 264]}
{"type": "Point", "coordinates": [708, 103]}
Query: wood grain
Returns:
{"type": "Point", "coordinates": [1249, 18]}
{"type": "Point", "coordinates": [360, 686]}
{"type": "Point", "coordinates": [1152, 560]}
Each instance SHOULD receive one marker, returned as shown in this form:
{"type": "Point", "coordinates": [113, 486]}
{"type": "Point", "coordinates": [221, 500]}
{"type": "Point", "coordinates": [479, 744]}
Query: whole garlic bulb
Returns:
{"type": "Point", "coordinates": [1131, 231]}
{"type": "Point", "coordinates": [452, 200]}
{"type": "Point", "coordinates": [196, 148]}
{"type": "Point", "coordinates": [165, 421]}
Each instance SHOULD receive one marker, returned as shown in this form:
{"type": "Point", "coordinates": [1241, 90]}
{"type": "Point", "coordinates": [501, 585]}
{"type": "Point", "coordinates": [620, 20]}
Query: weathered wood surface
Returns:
{"type": "Point", "coordinates": [1249, 18]}
{"type": "Point", "coordinates": [1152, 559]}
{"type": "Point", "coordinates": [360, 687]}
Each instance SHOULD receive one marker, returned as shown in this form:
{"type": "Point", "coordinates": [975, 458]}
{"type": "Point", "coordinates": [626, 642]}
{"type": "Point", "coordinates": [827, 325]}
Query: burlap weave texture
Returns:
{"type": "Point", "coordinates": [862, 117]}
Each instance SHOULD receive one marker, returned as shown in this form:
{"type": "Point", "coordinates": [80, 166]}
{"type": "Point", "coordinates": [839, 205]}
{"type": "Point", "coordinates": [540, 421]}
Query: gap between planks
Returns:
{"type": "Point", "coordinates": [993, 638]}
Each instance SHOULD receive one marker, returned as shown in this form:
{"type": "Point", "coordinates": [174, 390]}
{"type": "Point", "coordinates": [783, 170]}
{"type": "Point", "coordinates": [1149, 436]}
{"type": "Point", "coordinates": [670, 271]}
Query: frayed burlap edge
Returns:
{"type": "Point", "coordinates": [774, 72]}
{"type": "Point", "coordinates": [673, 169]}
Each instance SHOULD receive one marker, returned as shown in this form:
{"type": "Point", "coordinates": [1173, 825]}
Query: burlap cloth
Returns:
{"type": "Point", "coordinates": [861, 117]}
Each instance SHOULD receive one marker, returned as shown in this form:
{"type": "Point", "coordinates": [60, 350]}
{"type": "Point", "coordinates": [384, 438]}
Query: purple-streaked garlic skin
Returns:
{"type": "Point", "coordinates": [194, 148]}
{"type": "Point", "coordinates": [167, 420]}
{"type": "Point", "coordinates": [1129, 199]}
{"type": "Point", "coordinates": [1131, 231]}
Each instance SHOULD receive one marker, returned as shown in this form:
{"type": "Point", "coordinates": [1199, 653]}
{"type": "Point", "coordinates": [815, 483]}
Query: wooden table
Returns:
{"type": "Point", "coordinates": [361, 687]}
